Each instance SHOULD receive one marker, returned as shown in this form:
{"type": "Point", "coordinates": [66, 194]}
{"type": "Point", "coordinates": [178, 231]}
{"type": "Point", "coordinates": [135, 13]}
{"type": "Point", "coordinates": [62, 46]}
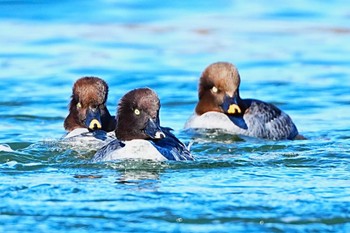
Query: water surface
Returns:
{"type": "Point", "coordinates": [295, 55]}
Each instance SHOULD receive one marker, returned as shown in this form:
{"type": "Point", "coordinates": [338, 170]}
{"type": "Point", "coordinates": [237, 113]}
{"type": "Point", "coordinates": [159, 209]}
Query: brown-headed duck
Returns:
{"type": "Point", "coordinates": [87, 109]}
{"type": "Point", "coordinates": [221, 107]}
{"type": "Point", "coordinates": [139, 134]}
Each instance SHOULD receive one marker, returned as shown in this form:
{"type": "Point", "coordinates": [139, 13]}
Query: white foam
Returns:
{"type": "Point", "coordinates": [6, 148]}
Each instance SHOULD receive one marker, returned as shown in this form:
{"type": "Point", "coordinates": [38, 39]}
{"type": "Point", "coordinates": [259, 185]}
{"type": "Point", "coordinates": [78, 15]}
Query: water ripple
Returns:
{"type": "Point", "coordinates": [292, 54]}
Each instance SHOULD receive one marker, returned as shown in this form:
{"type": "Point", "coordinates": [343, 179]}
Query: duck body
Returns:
{"type": "Point", "coordinates": [84, 139]}
{"type": "Point", "coordinates": [260, 119]}
{"type": "Point", "coordinates": [168, 148]}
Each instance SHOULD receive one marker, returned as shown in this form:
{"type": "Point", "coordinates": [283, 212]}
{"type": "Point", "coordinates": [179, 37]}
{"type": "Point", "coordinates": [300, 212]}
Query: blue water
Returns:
{"type": "Point", "coordinates": [294, 54]}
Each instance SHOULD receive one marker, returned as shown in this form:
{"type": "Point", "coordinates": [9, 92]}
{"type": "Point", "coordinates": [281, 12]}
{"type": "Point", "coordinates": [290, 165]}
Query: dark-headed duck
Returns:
{"type": "Point", "coordinates": [221, 107]}
{"type": "Point", "coordinates": [139, 134]}
{"type": "Point", "coordinates": [87, 108]}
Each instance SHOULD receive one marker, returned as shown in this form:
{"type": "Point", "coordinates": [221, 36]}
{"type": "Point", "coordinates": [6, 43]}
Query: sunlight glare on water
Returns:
{"type": "Point", "coordinates": [295, 55]}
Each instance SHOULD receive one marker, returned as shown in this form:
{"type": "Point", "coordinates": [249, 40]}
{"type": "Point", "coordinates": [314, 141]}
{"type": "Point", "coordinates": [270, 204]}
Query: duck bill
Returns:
{"type": "Point", "coordinates": [233, 111]}
{"type": "Point", "coordinates": [153, 130]}
{"type": "Point", "coordinates": [230, 105]}
{"type": "Point", "coordinates": [93, 119]}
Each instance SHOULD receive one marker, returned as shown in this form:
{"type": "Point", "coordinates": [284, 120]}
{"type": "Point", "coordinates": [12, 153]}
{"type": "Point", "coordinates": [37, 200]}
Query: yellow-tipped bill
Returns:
{"type": "Point", "coordinates": [233, 108]}
{"type": "Point", "coordinates": [95, 124]}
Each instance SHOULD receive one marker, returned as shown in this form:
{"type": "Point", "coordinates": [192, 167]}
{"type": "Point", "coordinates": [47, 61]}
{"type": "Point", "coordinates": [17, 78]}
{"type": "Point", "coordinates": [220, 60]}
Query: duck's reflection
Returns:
{"type": "Point", "coordinates": [143, 180]}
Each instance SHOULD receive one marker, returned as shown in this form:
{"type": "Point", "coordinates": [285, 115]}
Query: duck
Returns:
{"type": "Point", "coordinates": [139, 135]}
{"type": "Point", "coordinates": [221, 107]}
{"type": "Point", "coordinates": [89, 119]}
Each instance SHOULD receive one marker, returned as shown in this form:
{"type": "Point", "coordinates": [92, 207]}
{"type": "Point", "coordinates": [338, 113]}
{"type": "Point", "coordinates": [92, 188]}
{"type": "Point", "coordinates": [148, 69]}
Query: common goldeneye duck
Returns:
{"type": "Point", "coordinates": [221, 107]}
{"type": "Point", "coordinates": [87, 108]}
{"type": "Point", "coordinates": [89, 123]}
{"type": "Point", "coordinates": [139, 134]}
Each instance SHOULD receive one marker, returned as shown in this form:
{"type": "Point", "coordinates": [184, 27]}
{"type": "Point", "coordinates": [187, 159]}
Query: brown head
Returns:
{"type": "Point", "coordinates": [138, 116]}
{"type": "Point", "coordinates": [219, 89]}
{"type": "Point", "coordinates": [87, 108]}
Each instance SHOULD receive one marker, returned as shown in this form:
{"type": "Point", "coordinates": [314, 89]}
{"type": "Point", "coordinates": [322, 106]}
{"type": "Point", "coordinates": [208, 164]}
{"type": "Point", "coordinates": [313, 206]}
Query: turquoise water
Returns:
{"type": "Point", "coordinates": [295, 55]}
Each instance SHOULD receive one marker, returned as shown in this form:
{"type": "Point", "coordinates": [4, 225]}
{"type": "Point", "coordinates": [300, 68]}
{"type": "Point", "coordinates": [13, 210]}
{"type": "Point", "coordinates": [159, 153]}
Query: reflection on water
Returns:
{"type": "Point", "coordinates": [295, 55]}
{"type": "Point", "coordinates": [139, 180]}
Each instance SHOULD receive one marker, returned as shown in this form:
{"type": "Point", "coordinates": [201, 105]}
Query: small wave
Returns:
{"type": "Point", "coordinates": [6, 148]}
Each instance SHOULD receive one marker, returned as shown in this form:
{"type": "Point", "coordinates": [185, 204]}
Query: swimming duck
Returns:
{"type": "Point", "coordinates": [221, 107]}
{"type": "Point", "coordinates": [89, 123]}
{"type": "Point", "coordinates": [139, 134]}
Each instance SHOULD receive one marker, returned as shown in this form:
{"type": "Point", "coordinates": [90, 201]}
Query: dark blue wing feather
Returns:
{"type": "Point", "coordinates": [171, 147]}
{"type": "Point", "coordinates": [273, 123]}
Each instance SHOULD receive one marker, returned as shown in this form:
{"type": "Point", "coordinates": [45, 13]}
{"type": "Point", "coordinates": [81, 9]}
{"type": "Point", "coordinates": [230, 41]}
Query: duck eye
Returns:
{"type": "Point", "coordinates": [214, 89]}
{"type": "Point", "coordinates": [79, 105]}
{"type": "Point", "coordinates": [137, 112]}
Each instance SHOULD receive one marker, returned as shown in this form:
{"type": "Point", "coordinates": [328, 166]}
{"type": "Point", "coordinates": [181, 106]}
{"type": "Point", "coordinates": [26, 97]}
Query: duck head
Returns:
{"type": "Point", "coordinates": [219, 92]}
{"type": "Point", "coordinates": [138, 116]}
{"type": "Point", "coordinates": [87, 108]}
